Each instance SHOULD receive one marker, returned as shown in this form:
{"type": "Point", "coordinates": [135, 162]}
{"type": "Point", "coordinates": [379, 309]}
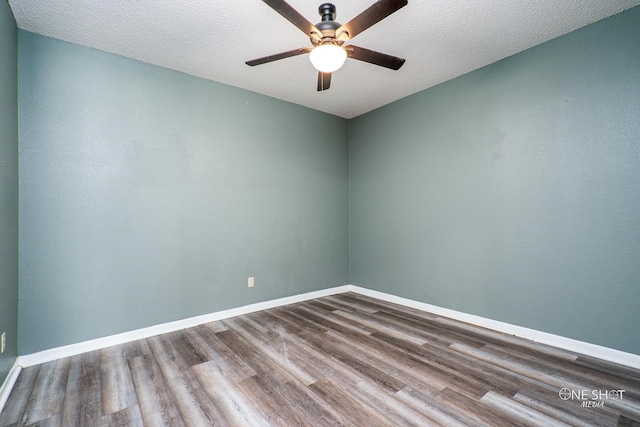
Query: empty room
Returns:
{"type": "Point", "coordinates": [296, 213]}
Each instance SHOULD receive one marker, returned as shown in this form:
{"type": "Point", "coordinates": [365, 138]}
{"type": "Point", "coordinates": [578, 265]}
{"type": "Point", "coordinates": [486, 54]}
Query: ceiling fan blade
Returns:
{"type": "Point", "coordinates": [324, 81]}
{"type": "Point", "coordinates": [375, 13]}
{"type": "Point", "coordinates": [278, 56]}
{"type": "Point", "coordinates": [373, 57]}
{"type": "Point", "coordinates": [293, 16]}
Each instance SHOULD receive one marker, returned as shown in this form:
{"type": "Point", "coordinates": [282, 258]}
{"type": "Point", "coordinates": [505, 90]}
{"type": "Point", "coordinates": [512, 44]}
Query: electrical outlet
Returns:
{"type": "Point", "coordinates": [250, 282]}
{"type": "Point", "coordinates": [3, 342]}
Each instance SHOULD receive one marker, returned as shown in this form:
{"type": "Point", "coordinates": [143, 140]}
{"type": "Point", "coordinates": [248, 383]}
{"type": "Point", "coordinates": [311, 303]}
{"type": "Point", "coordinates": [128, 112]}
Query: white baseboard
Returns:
{"type": "Point", "coordinates": [593, 350]}
{"type": "Point", "coordinates": [581, 347]}
{"type": "Point", "coordinates": [8, 383]}
{"type": "Point", "coordinates": [100, 343]}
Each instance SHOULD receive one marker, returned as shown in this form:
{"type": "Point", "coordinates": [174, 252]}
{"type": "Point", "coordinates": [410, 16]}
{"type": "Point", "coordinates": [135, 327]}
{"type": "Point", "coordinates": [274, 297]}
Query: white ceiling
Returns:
{"type": "Point", "coordinates": [440, 40]}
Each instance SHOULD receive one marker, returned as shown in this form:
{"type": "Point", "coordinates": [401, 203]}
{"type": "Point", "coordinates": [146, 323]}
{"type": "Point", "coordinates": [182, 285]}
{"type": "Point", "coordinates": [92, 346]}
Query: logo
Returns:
{"type": "Point", "coordinates": [565, 394]}
{"type": "Point", "coordinates": [590, 398]}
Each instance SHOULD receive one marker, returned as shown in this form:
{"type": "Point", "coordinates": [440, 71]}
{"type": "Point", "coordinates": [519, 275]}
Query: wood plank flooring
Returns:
{"type": "Point", "coordinates": [341, 360]}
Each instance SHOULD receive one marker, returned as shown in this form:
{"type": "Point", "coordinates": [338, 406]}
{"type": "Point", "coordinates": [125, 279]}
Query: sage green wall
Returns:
{"type": "Point", "coordinates": [8, 186]}
{"type": "Point", "coordinates": [148, 195]}
{"type": "Point", "coordinates": [512, 192]}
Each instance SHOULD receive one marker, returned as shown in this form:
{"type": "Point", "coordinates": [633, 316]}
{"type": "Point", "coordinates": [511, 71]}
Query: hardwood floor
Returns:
{"type": "Point", "coordinates": [340, 360]}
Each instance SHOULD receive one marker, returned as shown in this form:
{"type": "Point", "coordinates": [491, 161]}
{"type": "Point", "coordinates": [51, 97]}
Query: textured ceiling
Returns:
{"type": "Point", "coordinates": [440, 40]}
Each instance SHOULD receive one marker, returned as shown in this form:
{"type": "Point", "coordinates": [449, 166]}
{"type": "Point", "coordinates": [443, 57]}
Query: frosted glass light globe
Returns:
{"type": "Point", "coordinates": [328, 57]}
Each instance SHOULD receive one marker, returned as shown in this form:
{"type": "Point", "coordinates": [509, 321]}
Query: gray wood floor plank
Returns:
{"type": "Point", "coordinates": [394, 409]}
{"type": "Point", "coordinates": [128, 417]}
{"type": "Point", "coordinates": [217, 326]}
{"type": "Point", "coordinates": [270, 403]}
{"type": "Point", "coordinates": [363, 367]}
{"type": "Point", "coordinates": [290, 316]}
{"type": "Point", "coordinates": [157, 407]}
{"type": "Point", "coordinates": [346, 359]}
{"type": "Point", "coordinates": [624, 421]}
{"type": "Point", "coordinates": [484, 415]}
{"type": "Point", "coordinates": [335, 304]}
{"type": "Point", "coordinates": [379, 325]}
{"type": "Point", "coordinates": [82, 402]}
{"type": "Point", "coordinates": [47, 398]}
{"type": "Point", "coordinates": [16, 404]}
{"type": "Point", "coordinates": [348, 305]}
{"type": "Point", "coordinates": [233, 405]}
{"type": "Point", "coordinates": [568, 411]}
{"type": "Point", "coordinates": [626, 406]}
{"type": "Point", "coordinates": [332, 322]}
{"type": "Point", "coordinates": [502, 339]}
{"type": "Point", "coordinates": [321, 365]}
{"type": "Point", "coordinates": [54, 421]}
{"type": "Point", "coordinates": [318, 305]}
{"type": "Point", "coordinates": [285, 392]}
{"type": "Point", "coordinates": [266, 319]}
{"type": "Point", "coordinates": [306, 405]}
{"type": "Point", "coordinates": [293, 353]}
{"type": "Point", "coordinates": [558, 379]}
{"type": "Point", "coordinates": [433, 408]}
{"type": "Point", "coordinates": [596, 379]}
{"type": "Point", "coordinates": [275, 347]}
{"type": "Point", "coordinates": [264, 366]}
{"type": "Point", "coordinates": [346, 407]}
{"type": "Point", "coordinates": [431, 333]}
{"type": "Point", "coordinates": [187, 345]}
{"type": "Point", "coordinates": [613, 369]}
{"type": "Point", "coordinates": [117, 391]}
{"type": "Point", "coordinates": [228, 361]}
{"type": "Point", "coordinates": [519, 413]}
{"type": "Point", "coordinates": [386, 352]}
{"type": "Point", "coordinates": [403, 369]}
{"type": "Point", "coordinates": [439, 368]}
{"type": "Point", "coordinates": [339, 353]}
{"type": "Point", "coordinates": [195, 406]}
{"type": "Point", "coordinates": [135, 349]}
{"type": "Point", "coordinates": [381, 305]}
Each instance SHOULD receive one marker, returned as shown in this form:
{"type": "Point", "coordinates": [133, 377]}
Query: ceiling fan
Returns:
{"type": "Point", "coordinates": [328, 36]}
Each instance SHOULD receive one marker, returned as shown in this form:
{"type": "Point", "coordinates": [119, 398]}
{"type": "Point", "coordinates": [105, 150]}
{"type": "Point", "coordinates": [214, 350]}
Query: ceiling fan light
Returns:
{"type": "Point", "coordinates": [328, 58]}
